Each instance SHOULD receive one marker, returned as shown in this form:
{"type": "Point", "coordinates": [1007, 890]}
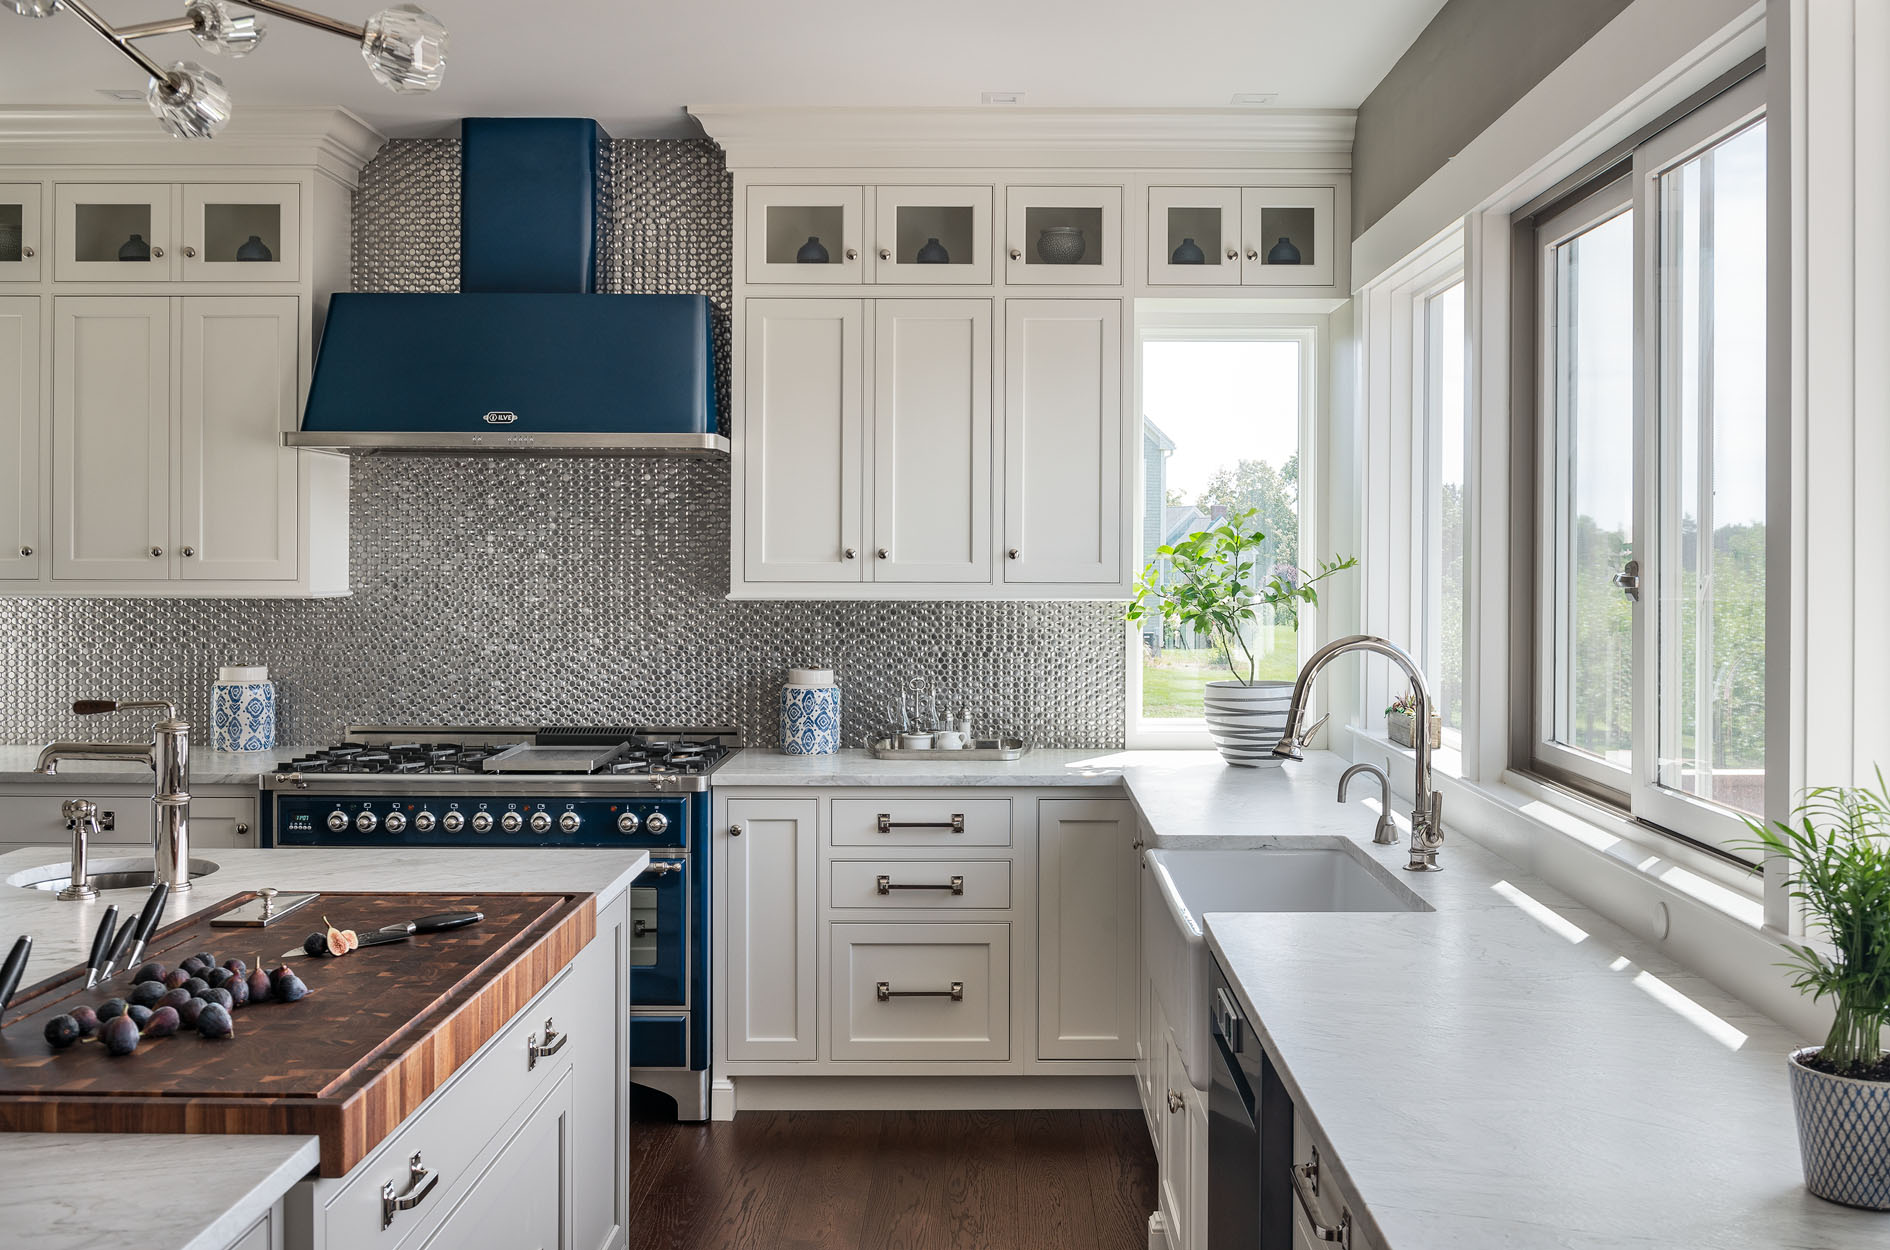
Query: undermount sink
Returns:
{"type": "Point", "coordinates": [106, 874]}
{"type": "Point", "coordinates": [1289, 875]}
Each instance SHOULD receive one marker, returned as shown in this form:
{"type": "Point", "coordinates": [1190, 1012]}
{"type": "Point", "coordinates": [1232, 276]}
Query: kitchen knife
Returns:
{"type": "Point", "coordinates": [101, 942]}
{"type": "Point", "coordinates": [121, 946]}
{"type": "Point", "coordinates": [439, 922]}
{"type": "Point", "coordinates": [148, 921]}
{"type": "Point", "coordinates": [13, 969]}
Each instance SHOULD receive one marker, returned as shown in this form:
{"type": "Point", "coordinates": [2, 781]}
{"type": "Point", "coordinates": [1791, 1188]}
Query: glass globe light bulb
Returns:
{"type": "Point", "coordinates": [405, 48]}
{"type": "Point", "coordinates": [221, 32]}
{"type": "Point", "coordinates": [32, 8]}
{"type": "Point", "coordinates": [193, 103]}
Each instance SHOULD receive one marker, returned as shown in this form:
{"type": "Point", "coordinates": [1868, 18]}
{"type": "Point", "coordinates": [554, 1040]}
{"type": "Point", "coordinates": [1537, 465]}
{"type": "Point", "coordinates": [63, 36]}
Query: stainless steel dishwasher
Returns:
{"type": "Point", "coordinates": [1250, 1135]}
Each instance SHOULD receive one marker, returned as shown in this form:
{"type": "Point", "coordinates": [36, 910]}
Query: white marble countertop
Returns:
{"type": "Point", "coordinates": [1510, 1070]}
{"type": "Point", "coordinates": [207, 768]}
{"type": "Point", "coordinates": [191, 1192]}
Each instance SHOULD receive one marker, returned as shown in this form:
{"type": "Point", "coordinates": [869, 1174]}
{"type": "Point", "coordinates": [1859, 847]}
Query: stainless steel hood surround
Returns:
{"type": "Point", "coordinates": [527, 358]}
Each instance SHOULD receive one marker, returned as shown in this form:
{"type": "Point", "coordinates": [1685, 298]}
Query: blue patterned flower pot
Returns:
{"type": "Point", "coordinates": [1843, 1135]}
{"type": "Point", "coordinates": [810, 720]}
{"type": "Point", "coordinates": [243, 710]}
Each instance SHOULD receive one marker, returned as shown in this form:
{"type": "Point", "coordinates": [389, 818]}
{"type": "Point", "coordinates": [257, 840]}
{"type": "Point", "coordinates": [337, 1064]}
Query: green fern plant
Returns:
{"type": "Point", "coordinates": [1214, 590]}
{"type": "Point", "coordinates": [1839, 849]}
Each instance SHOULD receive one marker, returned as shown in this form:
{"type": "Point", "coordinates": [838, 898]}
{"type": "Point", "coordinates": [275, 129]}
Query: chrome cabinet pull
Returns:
{"type": "Point", "coordinates": [1233, 253]}
{"type": "Point", "coordinates": [1253, 254]}
{"type": "Point", "coordinates": [242, 829]}
{"type": "Point", "coordinates": [849, 553]}
{"type": "Point", "coordinates": [1175, 1102]}
{"type": "Point", "coordinates": [887, 993]}
{"type": "Point", "coordinates": [190, 253]}
{"type": "Point", "coordinates": [885, 885]}
{"type": "Point", "coordinates": [1013, 554]}
{"type": "Point", "coordinates": [852, 253]}
{"type": "Point", "coordinates": [885, 253]}
{"type": "Point", "coordinates": [157, 253]}
{"type": "Point", "coordinates": [1305, 1188]}
{"type": "Point", "coordinates": [27, 252]}
{"type": "Point", "coordinates": [420, 1183]}
{"type": "Point", "coordinates": [189, 552]}
{"type": "Point", "coordinates": [156, 552]}
{"type": "Point", "coordinates": [553, 1043]}
{"type": "Point", "coordinates": [734, 831]}
{"type": "Point", "coordinates": [1016, 254]}
{"type": "Point", "coordinates": [26, 551]}
{"type": "Point", "coordinates": [956, 824]}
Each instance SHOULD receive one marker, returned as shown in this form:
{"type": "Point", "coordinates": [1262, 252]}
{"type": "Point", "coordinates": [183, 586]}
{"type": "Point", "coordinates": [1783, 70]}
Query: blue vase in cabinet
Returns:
{"type": "Point", "coordinates": [813, 252]}
{"type": "Point", "coordinates": [934, 253]}
{"type": "Point", "coordinates": [134, 248]}
{"type": "Point", "coordinates": [1189, 253]}
{"type": "Point", "coordinates": [1283, 253]}
{"type": "Point", "coordinates": [255, 249]}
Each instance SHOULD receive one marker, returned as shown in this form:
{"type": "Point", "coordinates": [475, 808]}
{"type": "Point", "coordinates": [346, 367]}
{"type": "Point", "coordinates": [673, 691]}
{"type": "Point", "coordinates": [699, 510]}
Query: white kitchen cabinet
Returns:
{"type": "Point", "coordinates": [932, 236]}
{"type": "Point", "coordinates": [935, 992]}
{"type": "Point", "coordinates": [802, 463]}
{"type": "Point", "coordinates": [1063, 236]}
{"type": "Point", "coordinates": [241, 232]}
{"type": "Point", "coordinates": [806, 234]}
{"type": "Point", "coordinates": [21, 240]}
{"type": "Point", "coordinates": [112, 437]}
{"type": "Point", "coordinates": [600, 1036]}
{"type": "Point", "coordinates": [1194, 236]}
{"type": "Point", "coordinates": [1289, 236]}
{"type": "Point", "coordinates": [1180, 1154]}
{"type": "Point", "coordinates": [265, 1234]}
{"type": "Point", "coordinates": [237, 488]}
{"type": "Point", "coordinates": [1089, 943]}
{"type": "Point", "coordinates": [768, 856]}
{"type": "Point", "coordinates": [115, 232]}
{"type": "Point", "coordinates": [931, 478]}
{"type": "Point", "coordinates": [20, 422]}
{"type": "Point", "coordinates": [523, 1199]}
{"type": "Point", "coordinates": [1063, 489]}
{"type": "Point", "coordinates": [1281, 237]}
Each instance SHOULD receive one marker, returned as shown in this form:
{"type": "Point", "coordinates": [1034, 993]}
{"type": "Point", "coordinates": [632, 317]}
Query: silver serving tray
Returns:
{"type": "Point", "coordinates": [986, 749]}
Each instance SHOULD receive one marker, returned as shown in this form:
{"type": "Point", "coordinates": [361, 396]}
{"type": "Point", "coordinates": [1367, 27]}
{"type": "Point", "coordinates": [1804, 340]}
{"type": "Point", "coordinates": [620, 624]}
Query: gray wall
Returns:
{"type": "Point", "coordinates": [574, 591]}
{"type": "Point", "coordinates": [1475, 59]}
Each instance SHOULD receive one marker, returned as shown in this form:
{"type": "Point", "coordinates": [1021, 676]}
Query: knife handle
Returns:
{"type": "Point", "coordinates": [443, 921]}
{"type": "Point", "coordinates": [13, 969]}
{"type": "Point", "coordinates": [153, 911]}
{"type": "Point", "coordinates": [121, 945]}
{"type": "Point", "coordinates": [102, 940]}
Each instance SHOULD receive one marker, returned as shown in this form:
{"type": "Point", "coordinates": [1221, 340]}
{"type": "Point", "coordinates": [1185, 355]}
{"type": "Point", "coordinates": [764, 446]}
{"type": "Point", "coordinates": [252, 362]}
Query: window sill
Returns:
{"type": "Point", "coordinates": [1546, 810]}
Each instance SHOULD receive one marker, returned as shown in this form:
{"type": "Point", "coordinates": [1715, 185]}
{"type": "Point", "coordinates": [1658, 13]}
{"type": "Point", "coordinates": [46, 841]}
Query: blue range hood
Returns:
{"type": "Point", "coordinates": [527, 358]}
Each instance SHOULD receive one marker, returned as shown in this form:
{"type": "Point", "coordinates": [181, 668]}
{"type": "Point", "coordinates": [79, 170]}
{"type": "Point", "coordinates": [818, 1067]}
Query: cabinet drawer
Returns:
{"type": "Point", "coordinates": [453, 1129]}
{"type": "Point", "coordinates": [979, 883]}
{"type": "Point", "coordinates": [921, 991]}
{"type": "Point", "coordinates": [921, 822]}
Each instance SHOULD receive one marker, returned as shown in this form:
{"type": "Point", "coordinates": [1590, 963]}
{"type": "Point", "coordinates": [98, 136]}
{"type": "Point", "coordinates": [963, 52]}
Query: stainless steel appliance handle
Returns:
{"type": "Point", "coordinates": [1305, 1188]}
{"type": "Point", "coordinates": [886, 885]}
{"type": "Point", "coordinates": [887, 993]}
{"type": "Point", "coordinates": [956, 824]}
{"type": "Point", "coordinates": [1227, 1019]}
{"type": "Point", "coordinates": [420, 1183]}
{"type": "Point", "coordinates": [660, 868]}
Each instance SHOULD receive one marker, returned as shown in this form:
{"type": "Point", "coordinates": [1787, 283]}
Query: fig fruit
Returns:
{"type": "Point", "coordinates": [62, 1031]}
{"type": "Point", "coordinates": [120, 1035]}
{"type": "Point", "coordinates": [87, 1019]}
{"type": "Point", "coordinates": [214, 1021]}
{"type": "Point", "coordinates": [163, 1022]}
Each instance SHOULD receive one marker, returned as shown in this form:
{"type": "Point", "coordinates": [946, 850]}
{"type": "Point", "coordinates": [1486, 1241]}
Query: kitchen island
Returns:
{"type": "Point", "coordinates": [208, 1192]}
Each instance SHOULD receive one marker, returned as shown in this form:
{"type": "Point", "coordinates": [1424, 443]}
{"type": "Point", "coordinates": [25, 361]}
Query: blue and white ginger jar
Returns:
{"type": "Point", "coordinates": [810, 713]}
{"type": "Point", "coordinates": [243, 709]}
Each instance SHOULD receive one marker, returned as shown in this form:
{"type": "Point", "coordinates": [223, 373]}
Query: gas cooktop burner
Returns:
{"type": "Point", "coordinates": [623, 752]}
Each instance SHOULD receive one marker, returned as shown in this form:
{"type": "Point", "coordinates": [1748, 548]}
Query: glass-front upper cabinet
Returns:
{"type": "Point", "coordinates": [242, 233]}
{"type": "Point", "coordinates": [19, 232]}
{"type": "Point", "coordinates": [1063, 236]}
{"type": "Point", "coordinates": [932, 235]}
{"type": "Point", "coordinates": [806, 234]}
{"type": "Point", "coordinates": [1288, 236]}
{"type": "Point", "coordinates": [114, 232]}
{"type": "Point", "coordinates": [1194, 236]}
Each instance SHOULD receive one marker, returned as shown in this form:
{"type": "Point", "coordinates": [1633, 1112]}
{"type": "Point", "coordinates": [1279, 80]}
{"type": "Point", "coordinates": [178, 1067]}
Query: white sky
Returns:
{"type": "Point", "coordinates": [1220, 403]}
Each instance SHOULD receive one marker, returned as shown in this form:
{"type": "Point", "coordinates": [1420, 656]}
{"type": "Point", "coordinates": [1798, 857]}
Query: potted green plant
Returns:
{"type": "Point", "coordinates": [1211, 584]}
{"type": "Point", "coordinates": [1839, 851]}
{"type": "Point", "coordinates": [1400, 722]}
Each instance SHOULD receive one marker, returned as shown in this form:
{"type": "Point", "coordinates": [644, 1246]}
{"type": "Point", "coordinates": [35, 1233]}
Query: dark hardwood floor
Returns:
{"type": "Point", "coordinates": [894, 1180]}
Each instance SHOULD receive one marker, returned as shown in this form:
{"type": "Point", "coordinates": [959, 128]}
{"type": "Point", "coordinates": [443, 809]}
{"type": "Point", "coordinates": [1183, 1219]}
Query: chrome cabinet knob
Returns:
{"type": "Point", "coordinates": [395, 822]}
{"type": "Point", "coordinates": [885, 554]}
{"type": "Point", "coordinates": [157, 253]}
{"type": "Point", "coordinates": [156, 552]}
{"type": "Point", "coordinates": [189, 552]}
{"type": "Point", "coordinates": [1013, 554]}
{"type": "Point", "coordinates": [849, 553]}
{"type": "Point", "coordinates": [27, 252]}
{"type": "Point", "coordinates": [885, 253]}
{"type": "Point", "coordinates": [541, 822]}
{"type": "Point", "coordinates": [734, 831]}
{"type": "Point", "coordinates": [628, 823]}
{"type": "Point", "coordinates": [511, 822]}
{"type": "Point", "coordinates": [26, 551]}
{"type": "Point", "coordinates": [242, 829]}
{"type": "Point", "coordinates": [851, 253]}
{"type": "Point", "coordinates": [1233, 253]}
{"type": "Point", "coordinates": [656, 823]}
{"type": "Point", "coordinates": [190, 253]}
{"type": "Point", "coordinates": [1017, 254]}
{"type": "Point", "coordinates": [1175, 1102]}
{"type": "Point", "coordinates": [1253, 254]}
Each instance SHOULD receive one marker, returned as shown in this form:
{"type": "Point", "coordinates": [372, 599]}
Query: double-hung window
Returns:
{"type": "Point", "coordinates": [1652, 500]}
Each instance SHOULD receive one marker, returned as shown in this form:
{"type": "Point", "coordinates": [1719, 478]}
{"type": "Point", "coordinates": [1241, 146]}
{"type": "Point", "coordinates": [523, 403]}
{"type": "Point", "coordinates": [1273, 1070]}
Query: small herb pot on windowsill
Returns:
{"type": "Point", "coordinates": [1399, 728]}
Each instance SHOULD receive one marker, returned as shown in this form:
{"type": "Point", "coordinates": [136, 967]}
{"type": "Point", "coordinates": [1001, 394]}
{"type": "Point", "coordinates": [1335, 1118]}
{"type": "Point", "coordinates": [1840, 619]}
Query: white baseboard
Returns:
{"type": "Point", "coordinates": [924, 1093]}
{"type": "Point", "coordinates": [721, 1100]}
{"type": "Point", "coordinates": [1157, 1231]}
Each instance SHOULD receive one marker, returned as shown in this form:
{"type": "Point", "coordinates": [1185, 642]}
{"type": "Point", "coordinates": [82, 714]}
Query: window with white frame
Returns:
{"type": "Point", "coordinates": [1653, 509]}
{"type": "Point", "coordinates": [1226, 401]}
{"type": "Point", "coordinates": [1442, 390]}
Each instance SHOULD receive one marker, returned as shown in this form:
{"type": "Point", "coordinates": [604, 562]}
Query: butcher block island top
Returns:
{"type": "Point", "coordinates": [380, 1029]}
{"type": "Point", "coordinates": [67, 1205]}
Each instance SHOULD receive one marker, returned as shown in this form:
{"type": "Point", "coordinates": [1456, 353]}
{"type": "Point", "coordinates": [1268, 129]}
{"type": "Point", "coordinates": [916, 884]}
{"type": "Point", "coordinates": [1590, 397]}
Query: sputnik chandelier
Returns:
{"type": "Point", "coordinates": [404, 47]}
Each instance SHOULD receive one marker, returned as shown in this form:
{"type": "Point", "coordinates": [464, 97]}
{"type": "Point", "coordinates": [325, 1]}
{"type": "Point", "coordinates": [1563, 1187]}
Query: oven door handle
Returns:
{"type": "Point", "coordinates": [660, 868]}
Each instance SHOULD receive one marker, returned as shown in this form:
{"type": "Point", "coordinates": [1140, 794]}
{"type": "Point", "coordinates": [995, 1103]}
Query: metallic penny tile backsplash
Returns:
{"type": "Point", "coordinates": [573, 591]}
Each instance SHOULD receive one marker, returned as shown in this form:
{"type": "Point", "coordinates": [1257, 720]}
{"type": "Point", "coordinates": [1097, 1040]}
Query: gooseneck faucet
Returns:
{"type": "Point", "coordinates": [1427, 818]}
{"type": "Point", "coordinates": [168, 756]}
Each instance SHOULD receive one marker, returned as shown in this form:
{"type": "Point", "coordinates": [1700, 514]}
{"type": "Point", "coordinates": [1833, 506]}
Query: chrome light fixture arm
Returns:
{"type": "Point", "coordinates": [118, 39]}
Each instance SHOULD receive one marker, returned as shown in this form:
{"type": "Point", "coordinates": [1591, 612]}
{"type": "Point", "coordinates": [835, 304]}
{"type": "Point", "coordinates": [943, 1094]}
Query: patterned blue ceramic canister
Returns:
{"type": "Point", "coordinates": [243, 704]}
{"type": "Point", "coordinates": [810, 713]}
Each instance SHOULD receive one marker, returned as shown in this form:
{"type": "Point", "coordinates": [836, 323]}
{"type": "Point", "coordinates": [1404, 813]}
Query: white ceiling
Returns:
{"type": "Point", "coordinates": [634, 66]}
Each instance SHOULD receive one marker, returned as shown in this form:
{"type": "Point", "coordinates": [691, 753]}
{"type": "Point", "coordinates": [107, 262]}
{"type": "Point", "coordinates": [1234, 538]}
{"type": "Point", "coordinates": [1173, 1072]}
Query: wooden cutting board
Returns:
{"type": "Point", "coordinates": [380, 1029]}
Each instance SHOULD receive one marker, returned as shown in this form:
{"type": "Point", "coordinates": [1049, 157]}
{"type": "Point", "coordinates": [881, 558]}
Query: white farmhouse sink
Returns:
{"type": "Point", "coordinates": [1290, 875]}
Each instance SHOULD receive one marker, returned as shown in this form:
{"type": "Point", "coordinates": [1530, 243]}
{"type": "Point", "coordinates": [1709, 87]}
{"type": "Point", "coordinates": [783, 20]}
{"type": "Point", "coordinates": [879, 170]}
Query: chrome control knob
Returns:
{"type": "Point", "coordinates": [541, 822]}
{"type": "Point", "coordinates": [511, 822]}
{"type": "Point", "coordinates": [657, 823]}
{"type": "Point", "coordinates": [396, 822]}
{"type": "Point", "coordinates": [628, 823]}
{"type": "Point", "coordinates": [337, 821]}
{"type": "Point", "coordinates": [423, 822]}
{"type": "Point", "coordinates": [453, 822]}
{"type": "Point", "coordinates": [482, 822]}
{"type": "Point", "coordinates": [569, 822]}
{"type": "Point", "coordinates": [366, 822]}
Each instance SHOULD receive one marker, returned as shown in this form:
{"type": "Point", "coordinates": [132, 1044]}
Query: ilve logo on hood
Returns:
{"type": "Point", "coordinates": [501, 418]}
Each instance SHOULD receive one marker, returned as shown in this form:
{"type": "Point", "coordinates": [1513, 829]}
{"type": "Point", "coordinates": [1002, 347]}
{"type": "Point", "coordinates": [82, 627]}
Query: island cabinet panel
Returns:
{"type": "Point", "coordinates": [600, 1046]}
{"type": "Point", "coordinates": [525, 1198]}
{"type": "Point", "coordinates": [769, 856]}
{"type": "Point", "coordinates": [1088, 938]}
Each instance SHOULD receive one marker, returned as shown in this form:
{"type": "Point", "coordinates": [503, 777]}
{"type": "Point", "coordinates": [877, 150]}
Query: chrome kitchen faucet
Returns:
{"type": "Point", "coordinates": [168, 755]}
{"type": "Point", "coordinates": [1427, 820]}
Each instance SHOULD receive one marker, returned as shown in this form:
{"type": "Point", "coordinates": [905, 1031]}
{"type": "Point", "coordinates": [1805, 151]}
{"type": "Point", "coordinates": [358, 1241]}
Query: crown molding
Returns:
{"type": "Point", "coordinates": [334, 140]}
{"type": "Point", "coordinates": [1030, 137]}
